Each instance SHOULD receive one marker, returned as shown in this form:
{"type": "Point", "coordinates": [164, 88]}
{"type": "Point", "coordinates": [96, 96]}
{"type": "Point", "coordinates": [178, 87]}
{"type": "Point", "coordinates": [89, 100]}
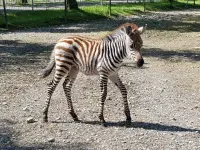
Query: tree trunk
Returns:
{"type": "Point", "coordinates": [24, 1]}
{"type": "Point", "coordinates": [72, 4]}
{"type": "Point", "coordinates": [171, 3]}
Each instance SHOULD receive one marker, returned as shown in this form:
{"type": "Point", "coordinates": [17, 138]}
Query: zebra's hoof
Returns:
{"type": "Point", "coordinates": [76, 120]}
{"type": "Point", "coordinates": [103, 123]}
{"type": "Point", "coordinates": [128, 122]}
{"type": "Point", "coordinates": [45, 120]}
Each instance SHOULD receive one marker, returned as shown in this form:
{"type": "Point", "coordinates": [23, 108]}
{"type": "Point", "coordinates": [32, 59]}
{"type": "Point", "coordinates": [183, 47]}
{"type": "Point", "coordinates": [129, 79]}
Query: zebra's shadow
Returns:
{"type": "Point", "coordinates": [143, 125]}
{"type": "Point", "coordinates": [133, 65]}
{"type": "Point", "coordinates": [146, 126]}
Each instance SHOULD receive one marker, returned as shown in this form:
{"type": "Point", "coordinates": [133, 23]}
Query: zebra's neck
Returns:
{"type": "Point", "coordinates": [117, 46]}
{"type": "Point", "coordinates": [115, 50]}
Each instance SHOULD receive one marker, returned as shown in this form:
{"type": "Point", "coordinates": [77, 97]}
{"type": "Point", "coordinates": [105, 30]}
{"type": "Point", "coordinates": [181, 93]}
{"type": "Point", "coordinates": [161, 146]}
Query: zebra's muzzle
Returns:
{"type": "Point", "coordinates": [140, 62]}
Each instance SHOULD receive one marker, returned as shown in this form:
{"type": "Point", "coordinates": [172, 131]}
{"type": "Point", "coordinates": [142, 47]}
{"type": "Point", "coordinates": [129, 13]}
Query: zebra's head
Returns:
{"type": "Point", "coordinates": [136, 41]}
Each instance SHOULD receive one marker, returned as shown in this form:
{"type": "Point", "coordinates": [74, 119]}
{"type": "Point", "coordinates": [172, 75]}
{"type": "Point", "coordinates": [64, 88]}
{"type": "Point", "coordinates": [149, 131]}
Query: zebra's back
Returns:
{"type": "Point", "coordinates": [83, 53]}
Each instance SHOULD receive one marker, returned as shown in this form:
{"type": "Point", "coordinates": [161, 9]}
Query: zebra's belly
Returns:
{"type": "Point", "coordinates": [88, 71]}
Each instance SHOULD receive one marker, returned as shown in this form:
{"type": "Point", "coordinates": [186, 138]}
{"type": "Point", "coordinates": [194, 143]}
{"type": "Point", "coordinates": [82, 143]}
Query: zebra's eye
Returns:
{"type": "Point", "coordinates": [132, 46]}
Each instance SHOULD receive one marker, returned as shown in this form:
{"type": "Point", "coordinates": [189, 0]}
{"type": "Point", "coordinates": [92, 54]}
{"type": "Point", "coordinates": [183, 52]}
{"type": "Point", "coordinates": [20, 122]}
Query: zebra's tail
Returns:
{"type": "Point", "coordinates": [45, 72]}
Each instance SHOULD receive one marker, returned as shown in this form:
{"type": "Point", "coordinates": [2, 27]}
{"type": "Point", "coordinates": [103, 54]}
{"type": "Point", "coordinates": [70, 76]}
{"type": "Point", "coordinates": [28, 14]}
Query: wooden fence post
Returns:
{"type": "Point", "coordinates": [109, 7]}
{"type": "Point", "coordinates": [144, 5]}
{"type": "Point", "coordinates": [5, 14]}
{"type": "Point", "coordinates": [65, 10]}
{"type": "Point", "coordinates": [32, 5]}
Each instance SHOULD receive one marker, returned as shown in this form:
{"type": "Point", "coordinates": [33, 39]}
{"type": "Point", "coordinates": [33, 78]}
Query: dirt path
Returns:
{"type": "Point", "coordinates": [164, 95]}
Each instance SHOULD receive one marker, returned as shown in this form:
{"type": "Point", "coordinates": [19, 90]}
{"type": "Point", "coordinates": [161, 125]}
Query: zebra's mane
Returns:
{"type": "Point", "coordinates": [132, 25]}
{"type": "Point", "coordinates": [119, 31]}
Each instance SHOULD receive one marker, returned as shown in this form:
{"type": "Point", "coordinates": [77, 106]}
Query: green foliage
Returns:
{"type": "Point", "coordinates": [27, 19]}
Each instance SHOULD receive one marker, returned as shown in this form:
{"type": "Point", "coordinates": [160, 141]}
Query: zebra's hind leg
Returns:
{"type": "Point", "coordinates": [116, 80]}
{"type": "Point", "coordinates": [103, 87]}
{"type": "Point", "coordinates": [67, 85]}
{"type": "Point", "coordinates": [51, 89]}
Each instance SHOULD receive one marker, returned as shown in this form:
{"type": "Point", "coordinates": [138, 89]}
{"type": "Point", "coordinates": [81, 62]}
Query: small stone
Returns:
{"type": "Point", "coordinates": [58, 118]}
{"type": "Point", "coordinates": [174, 119]}
{"type": "Point", "coordinates": [25, 109]}
{"type": "Point", "coordinates": [51, 140]}
{"type": "Point", "coordinates": [195, 107]}
{"type": "Point", "coordinates": [190, 142]}
{"type": "Point", "coordinates": [30, 120]}
{"type": "Point", "coordinates": [109, 99]}
{"type": "Point", "coordinates": [4, 103]}
{"type": "Point", "coordinates": [197, 131]}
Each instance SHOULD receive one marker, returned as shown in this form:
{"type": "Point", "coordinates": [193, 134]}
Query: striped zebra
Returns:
{"type": "Point", "coordinates": [101, 57]}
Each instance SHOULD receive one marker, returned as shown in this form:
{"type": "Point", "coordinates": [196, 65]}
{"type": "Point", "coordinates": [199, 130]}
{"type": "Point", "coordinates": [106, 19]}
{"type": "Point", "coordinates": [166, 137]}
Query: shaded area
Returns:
{"type": "Point", "coordinates": [154, 23]}
{"type": "Point", "coordinates": [6, 133]}
{"type": "Point", "coordinates": [8, 140]}
{"type": "Point", "coordinates": [75, 146]}
{"type": "Point", "coordinates": [18, 48]}
{"type": "Point", "coordinates": [183, 22]}
{"type": "Point", "coordinates": [170, 22]}
{"type": "Point", "coordinates": [146, 126]}
{"type": "Point", "coordinates": [174, 56]}
{"type": "Point", "coordinates": [16, 54]}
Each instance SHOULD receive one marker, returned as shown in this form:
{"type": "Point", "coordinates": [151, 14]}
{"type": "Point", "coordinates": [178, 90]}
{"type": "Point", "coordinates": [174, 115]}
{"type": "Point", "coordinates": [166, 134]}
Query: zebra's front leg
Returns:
{"type": "Point", "coordinates": [116, 80]}
{"type": "Point", "coordinates": [67, 85]}
{"type": "Point", "coordinates": [103, 87]}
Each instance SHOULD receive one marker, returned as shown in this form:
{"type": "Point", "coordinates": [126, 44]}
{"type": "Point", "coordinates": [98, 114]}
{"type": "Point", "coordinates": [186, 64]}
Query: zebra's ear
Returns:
{"type": "Point", "coordinates": [142, 29]}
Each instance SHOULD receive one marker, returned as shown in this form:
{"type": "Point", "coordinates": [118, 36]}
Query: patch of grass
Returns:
{"type": "Point", "coordinates": [26, 19]}
{"type": "Point", "coordinates": [40, 18]}
{"type": "Point", "coordinates": [32, 19]}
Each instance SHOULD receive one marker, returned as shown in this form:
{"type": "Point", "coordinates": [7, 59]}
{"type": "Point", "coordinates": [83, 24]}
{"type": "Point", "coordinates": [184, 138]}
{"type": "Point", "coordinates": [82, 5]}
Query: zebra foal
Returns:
{"type": "Point", "coordinates": [101, 57]}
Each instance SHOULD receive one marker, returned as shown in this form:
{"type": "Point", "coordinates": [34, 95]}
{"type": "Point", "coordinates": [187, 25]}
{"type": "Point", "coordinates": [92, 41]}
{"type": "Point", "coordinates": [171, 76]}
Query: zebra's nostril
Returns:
{"type": "Point", "coordinates": [140, 62]}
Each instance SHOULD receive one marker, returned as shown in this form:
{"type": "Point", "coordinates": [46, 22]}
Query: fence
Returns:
{"type": "Point", "coordinates": [34, 5]}
{"type": "Point", "coordinates": [52, 4]}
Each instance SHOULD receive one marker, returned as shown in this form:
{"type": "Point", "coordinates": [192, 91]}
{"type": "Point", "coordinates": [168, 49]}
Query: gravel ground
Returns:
{"type": "Point", "coordinates": [164, 95]}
